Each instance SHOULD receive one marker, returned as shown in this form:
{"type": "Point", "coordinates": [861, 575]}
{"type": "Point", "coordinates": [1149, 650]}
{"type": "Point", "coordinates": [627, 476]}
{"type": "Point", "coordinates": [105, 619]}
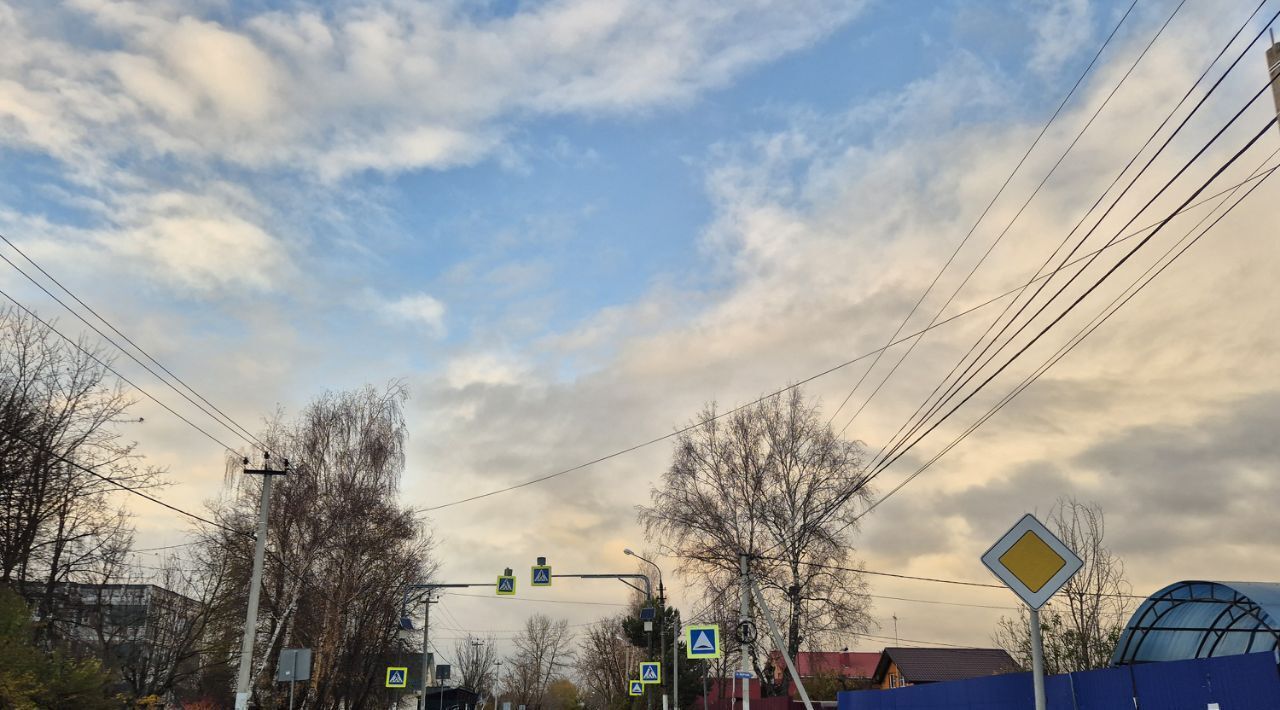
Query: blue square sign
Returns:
{"type": "Point", "coordinates": [541, 576]}
{"type": "Point", "coordinates": [650, 672]}
{"type": "Point", "coordinates": [702, 641]}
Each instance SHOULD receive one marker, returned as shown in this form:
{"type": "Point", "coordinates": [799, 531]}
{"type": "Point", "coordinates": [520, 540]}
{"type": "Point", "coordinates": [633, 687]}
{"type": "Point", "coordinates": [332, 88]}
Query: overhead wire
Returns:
{"type": "Point", "coordinates": [88, 353]}
{"type": "Point", "coordinates": [75, 464]}
{"type": "Point", "coordinates": [248, 436]}
{"type": "Point", "coordinates": [946, 321]}
{"type": "Point", "coordinates": [888, 449]}
{"type": "Point", "coordinates": [1080, 298]}
{"type": "Point", "coordinates": [990, 204]}
{"type": "Point", "coordinates": [1115, 305]}
{"type": "Point", "coordinates": [1026, 203]}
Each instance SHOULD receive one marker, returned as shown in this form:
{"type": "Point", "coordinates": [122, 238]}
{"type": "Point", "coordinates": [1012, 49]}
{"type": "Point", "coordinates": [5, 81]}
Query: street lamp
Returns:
{"type": "Point", "coordinates": [662, 627]}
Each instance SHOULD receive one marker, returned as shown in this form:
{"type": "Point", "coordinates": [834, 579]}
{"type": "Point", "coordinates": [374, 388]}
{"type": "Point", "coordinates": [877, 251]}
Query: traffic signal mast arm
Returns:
{"type": "Point", "coordinates": [648, 586]}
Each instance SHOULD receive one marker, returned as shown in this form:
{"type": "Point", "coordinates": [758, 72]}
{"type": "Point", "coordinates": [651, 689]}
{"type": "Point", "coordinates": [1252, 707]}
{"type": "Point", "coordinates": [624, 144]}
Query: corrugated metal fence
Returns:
{"type": "Point", "coordinates": [1245, 682]}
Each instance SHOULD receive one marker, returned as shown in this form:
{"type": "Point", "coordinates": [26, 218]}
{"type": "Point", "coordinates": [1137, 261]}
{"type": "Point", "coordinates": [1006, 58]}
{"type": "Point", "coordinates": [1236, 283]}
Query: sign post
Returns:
{"type": "Point", "coordinates": [294, 665]}
{"type": "Point", "coordinates": [1035, 564]}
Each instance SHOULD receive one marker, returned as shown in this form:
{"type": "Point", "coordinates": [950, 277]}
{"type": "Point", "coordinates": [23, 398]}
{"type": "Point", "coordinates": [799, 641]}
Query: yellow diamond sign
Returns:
{"type": "Point", "coordinates": [1032, 561]}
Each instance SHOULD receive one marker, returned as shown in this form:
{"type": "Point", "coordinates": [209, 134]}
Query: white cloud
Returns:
{"type": "Point", "coordinates": [417, 309]}
{"type": "Point", "coordinates": [373, 85]}
{"type": "Point", "coordinates": [824, 247]}
{"type": "Point", "coordinates": [1062, 29]}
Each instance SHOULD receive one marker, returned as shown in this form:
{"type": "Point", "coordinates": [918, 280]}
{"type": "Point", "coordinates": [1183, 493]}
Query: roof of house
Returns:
{"type": "Point", "coordinates": [845, 664]}
{"type": "Point", "coordinates": [931, 665]}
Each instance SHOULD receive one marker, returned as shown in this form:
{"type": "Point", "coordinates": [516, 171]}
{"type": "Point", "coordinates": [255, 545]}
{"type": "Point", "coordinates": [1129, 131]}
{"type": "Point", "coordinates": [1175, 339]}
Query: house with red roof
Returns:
{"type": "Point", "coordinates": [849, 670]}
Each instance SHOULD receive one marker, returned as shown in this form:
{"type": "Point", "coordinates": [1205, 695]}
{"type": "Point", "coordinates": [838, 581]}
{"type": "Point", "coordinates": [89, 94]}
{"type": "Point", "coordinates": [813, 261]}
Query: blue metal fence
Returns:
{"type": "Point", "coordinates": [1245, 682]}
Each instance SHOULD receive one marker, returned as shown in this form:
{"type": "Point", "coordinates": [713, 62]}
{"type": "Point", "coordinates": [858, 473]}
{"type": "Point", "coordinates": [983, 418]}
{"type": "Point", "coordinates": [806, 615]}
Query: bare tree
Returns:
{"type": "Point", "coordinates": [341, 546]}
{"type": "Point", "coordinates": [58, 407]}
{"type": "Point", "coordinates": [1083, 622]}
{"type": "Point", "coordinates": [775, 482]}
{"type": "Point", "coordinates": [477, 664]}
{"type": "Point", "coordinates": [542, 653]}
{"type": "Point", "coordinates": [606, 661]}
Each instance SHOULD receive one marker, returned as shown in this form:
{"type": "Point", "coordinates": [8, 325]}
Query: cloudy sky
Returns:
{"type": "Point", "coordinates": [567, 225]}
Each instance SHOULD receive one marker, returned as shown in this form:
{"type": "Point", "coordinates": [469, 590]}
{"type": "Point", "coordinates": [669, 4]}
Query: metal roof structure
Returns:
{"type": "Point", "coordinates": [1201, 619]}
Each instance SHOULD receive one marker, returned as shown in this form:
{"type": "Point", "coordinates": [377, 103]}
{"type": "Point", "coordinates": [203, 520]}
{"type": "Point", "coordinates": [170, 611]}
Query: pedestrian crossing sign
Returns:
{"type": "Point", "coordinates": [635, 688]}
{"type": "Point", "coordinates": [541, 576]}
{"type": "Point", "coordinates": [702, 641]}
{"type": "Point", "coordinates": [651, 672]}
{"type": "Point", "coordinates": [506, 585]}
{"type": "Point", "coordinates": [397, 677]}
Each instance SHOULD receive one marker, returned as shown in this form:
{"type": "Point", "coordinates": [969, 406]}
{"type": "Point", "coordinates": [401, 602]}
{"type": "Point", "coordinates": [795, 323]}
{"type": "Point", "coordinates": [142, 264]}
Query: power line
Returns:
{"type": "Point", "coordinates": [923, 643]}
{"type": "Point", "coordinates": [917, 578]}
{"type": "Point", "coordinates": [1111, 309]}
{"type": "Point", "coordinates": [811, 378]}
{"type": "Point", "coordinates": [1071, 306]}
{"type": "Point", "coordinates": [115, 372]}
{"type": "Point", "coordinates": [1026, 203]}
{"type": "Point", "coordinates": [982, 216]}
{"type": "Point", "coordinates": [119, 485]}
{"type": "Point", "coordinates": [166, 547]}
{"type": "Point", "coordinates": [953, 389]}
{"type": "Point", "coordinates": [249, 439]}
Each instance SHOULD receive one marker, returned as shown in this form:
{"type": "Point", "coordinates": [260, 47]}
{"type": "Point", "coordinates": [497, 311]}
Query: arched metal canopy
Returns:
{"type": "Point", "coordinates": [1200, 619]}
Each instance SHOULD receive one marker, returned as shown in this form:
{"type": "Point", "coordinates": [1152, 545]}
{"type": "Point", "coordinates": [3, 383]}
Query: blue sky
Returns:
{"type": "Point", "coordinates": [568, 225]}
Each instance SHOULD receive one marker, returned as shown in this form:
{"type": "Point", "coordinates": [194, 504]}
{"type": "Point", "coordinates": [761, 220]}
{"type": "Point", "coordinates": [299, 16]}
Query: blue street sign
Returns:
{"type": "Point", "coordinates": [635, 688]}
{"type": "Point", "coordinates": [397, 677]}
{"type": "Point", "coordinates": [506, 585]}
{"type": "Point", "coordinates": [650, 672]}
{"type": "Point", "coordinates": [702, 641]}
{"type": "Point", "coordinates": [541, 576]}
{"type": "Point", "coordinates": [648, 614]}
{"type": "Point", "coordinates": [743, 674]}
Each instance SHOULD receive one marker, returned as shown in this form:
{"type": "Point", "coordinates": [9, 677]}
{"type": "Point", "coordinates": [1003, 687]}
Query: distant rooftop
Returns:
{"type": "Point", "coordinates": [933, 665]}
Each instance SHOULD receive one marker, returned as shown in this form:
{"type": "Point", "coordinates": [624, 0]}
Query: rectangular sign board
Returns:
{"type": "Point", "coordinates": [294, 664]}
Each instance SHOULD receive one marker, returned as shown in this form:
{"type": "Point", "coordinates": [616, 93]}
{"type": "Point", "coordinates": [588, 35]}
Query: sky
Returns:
{"type": "Point", "coordinates": [568, 225]}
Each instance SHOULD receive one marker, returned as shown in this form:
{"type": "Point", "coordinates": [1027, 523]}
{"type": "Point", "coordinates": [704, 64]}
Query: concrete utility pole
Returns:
{"type": "Point", "coordinates": [255, 580]}
{"type": "Point", "coordinates": [776, 633]}
{"type": "Point", "coordinates": [744, 616]}
{"type": "Point", "coordinates": [427, 661]}
{"type": "Point", "coordinates": [428, 668]}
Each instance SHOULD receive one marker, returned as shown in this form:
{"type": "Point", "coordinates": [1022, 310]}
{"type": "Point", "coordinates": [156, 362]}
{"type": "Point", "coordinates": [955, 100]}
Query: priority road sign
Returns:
{"type": "Point", "coordinates": [651, 672]}
{"type": "Point", "coordinates": [702, 641]}
{"type": "Point", "coordinates": [1032, 561]}
{"type": "Point", "coordinates": [506, 585]}
{"type": "Point", "coordinates": [397, 677]}
{"type": "Point", "coordinates": [541, 576]}
{"type": "Point", "coordinates": [635, 688]}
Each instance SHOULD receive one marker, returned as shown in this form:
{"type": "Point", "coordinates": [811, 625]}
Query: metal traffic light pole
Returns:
{"type": "Point", "coordinates": [662, 628]}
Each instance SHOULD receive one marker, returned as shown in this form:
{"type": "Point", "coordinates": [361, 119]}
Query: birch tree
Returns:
{"type": "Point", "coordinates": [774, 481]}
